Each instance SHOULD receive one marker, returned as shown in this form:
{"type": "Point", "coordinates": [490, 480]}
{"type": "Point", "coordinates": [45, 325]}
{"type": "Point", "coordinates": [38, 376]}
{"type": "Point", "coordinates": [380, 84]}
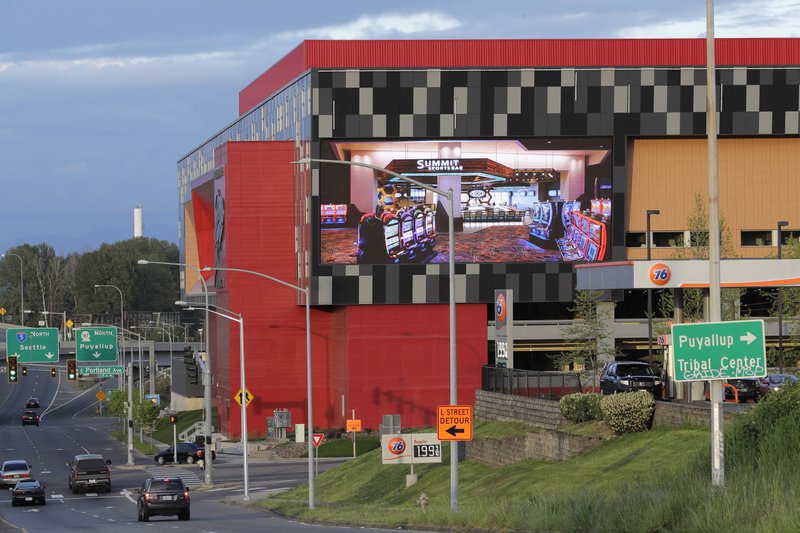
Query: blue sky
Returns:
{"type": "Point", "coordinates": [99, 99]}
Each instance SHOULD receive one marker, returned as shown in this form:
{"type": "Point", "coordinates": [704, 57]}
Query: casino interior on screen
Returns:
{"type": "Point", "coordinates": [517, 200]}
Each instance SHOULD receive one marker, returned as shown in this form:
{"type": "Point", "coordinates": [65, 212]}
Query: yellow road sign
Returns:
{"type": "Point", "coordinates": [247, 396]}
{"type": "Point", "coordinates": [454, 422]}
{"type": "Point", "coordinates": [100, 396]}
{"type": "Point", "coordinates": [70, 323]}
{"type": "Point", "coordinates": [353, 425]}
{"type": "Point", "coordinates": [2, 311]}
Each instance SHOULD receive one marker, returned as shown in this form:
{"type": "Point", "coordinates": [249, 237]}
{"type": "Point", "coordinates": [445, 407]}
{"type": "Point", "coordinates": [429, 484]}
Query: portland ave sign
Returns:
{"type": "Point", "coordinates": [719, 350]}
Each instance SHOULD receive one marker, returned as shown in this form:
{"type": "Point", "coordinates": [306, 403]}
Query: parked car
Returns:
{"type": "Point", "coordinates": [89, 471]}
{"type": "Point", "coordinates": [163, 496]}
{"type": "Point", "coordinates": [188, 452]}
{"type": "Point", "coordinates": [30, 491]}
{"type": "Point", "coordinates": [746, 390]}
{"type": "Point", "coordinates": [32, 403]}
{"type": "Point", "coordinates": [30, 417]}
{"type": "Point", "coordinates": [627, 376]}
{"type": "Point", "coordinates": [15, 470]}
{"type": "Point", "coordinates": [774, 382]}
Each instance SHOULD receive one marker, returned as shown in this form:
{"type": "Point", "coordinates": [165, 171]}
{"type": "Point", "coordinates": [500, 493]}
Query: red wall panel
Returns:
{"type": "Point", "coordinates": [499, 53]}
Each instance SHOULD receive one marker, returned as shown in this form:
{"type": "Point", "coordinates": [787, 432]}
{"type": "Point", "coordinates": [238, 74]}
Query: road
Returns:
{"type": "Point", "coordinates": [69, 427]}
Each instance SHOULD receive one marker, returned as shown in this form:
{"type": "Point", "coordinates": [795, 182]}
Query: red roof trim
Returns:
{"type": "Point", "coordinates": [515, 53]}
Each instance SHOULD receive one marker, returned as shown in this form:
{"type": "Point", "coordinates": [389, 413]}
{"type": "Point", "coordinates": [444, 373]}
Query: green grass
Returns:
{"type": "Point", "coordinates": [143, 447]}
{"type": "Point", "coordinates": [655, 481]}
{"type": "Point", "coordinates": [163, 432]}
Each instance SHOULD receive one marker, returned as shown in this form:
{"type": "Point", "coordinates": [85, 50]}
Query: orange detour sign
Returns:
{"type": "Point", "coordinates": [353, 425]}
{"type": "Point", "coordinates": [454, 422]}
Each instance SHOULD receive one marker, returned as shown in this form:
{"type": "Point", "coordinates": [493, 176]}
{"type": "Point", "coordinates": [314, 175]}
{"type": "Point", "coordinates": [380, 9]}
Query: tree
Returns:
{"type": "Point", "coordinates": [145, 289]}
{"type": "Point", "coordinates": [697, 224]}
{"type": "Point", "coordinates": [590, 335]}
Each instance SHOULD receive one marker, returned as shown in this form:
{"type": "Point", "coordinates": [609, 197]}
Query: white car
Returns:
{"type": "Point", "coordinates": [13, 471]}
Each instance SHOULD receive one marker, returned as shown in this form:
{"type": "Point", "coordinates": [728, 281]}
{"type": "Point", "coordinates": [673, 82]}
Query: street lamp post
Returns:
{"type": "Point", "coordinates": [310, 403]}
{"type": "Point", "coordinates": [650, 291]}
{"type": "Point", "coordinates": [21, 290]}
{"type": "Point", "coordinates": [781, 224]}
{"type": "Point", "coordinates": [121, 313]}
{"type": "Point", "coordinates": [450, 195]}
{"type": "Point", "coordinates": [207, 374]}
{"type": "Point", "coordinates": [243, 401]}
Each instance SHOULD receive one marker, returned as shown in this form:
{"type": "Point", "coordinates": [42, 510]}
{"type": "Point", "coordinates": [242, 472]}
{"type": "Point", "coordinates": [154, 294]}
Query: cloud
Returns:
{"type": "Point", "coordinates": [380, 26]}
{"type": "Point", "coordinates": [769, 18]}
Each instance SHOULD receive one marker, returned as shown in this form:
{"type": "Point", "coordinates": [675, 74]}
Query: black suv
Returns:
{"type": "Point", "coordinates": [89, 471]}
{"type": "Point", "coordinates": [188, 452]}
{"type": "Point", "coordinates": [163, 496]}
{"type": "Point", "coordinates": [627, 376]}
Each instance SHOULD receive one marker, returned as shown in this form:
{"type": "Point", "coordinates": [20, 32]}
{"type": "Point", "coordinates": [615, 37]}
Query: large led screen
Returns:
{"type": "Point", "coordinates": [516, 201]}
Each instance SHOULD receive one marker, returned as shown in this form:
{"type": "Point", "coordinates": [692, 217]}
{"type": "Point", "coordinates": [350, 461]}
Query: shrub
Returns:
{"type": "Point", "coordinates": [628, 412]}
{"type": "Point", "coordinates": [580, 407]}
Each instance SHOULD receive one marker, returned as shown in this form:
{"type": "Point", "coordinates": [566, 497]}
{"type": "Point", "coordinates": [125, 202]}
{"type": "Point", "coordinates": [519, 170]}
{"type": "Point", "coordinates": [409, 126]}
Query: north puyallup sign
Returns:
{"type": "Point", "coordinates": [719, 350]}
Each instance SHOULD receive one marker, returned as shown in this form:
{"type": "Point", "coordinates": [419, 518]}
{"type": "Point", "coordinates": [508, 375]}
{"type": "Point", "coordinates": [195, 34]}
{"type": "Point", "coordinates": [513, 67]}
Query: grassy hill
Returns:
{"type": "Point", "coordinates": [659, 480]}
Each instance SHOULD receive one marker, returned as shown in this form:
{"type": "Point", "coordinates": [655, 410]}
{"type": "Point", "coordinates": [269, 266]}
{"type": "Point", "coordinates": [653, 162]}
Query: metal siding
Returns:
{"type": "Point", "coordinates": [514, 53]}
{"type": "Point", "coordinates": [268, 83]}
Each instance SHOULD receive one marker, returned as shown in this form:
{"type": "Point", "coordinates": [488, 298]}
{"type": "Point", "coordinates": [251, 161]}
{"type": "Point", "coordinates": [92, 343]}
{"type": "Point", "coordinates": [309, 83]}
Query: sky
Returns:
{"type": "Point", "coordinates": [99, 99]}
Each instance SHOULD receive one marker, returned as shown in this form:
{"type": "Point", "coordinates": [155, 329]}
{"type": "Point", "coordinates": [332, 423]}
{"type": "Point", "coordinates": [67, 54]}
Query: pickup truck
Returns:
{"type": "Point", "coordinates": [89, 471]}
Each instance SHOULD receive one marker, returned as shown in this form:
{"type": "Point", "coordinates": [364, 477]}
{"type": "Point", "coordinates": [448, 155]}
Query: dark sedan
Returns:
{"type": "Point", "coordinates": [774, 382]}
{"type": "Point", "coordinates": [188, 452]}
{"type": "Point", "coordinates": [30, 491]}
{"type": "Point", "coordinates": [32, 403]}
{"type": "Point", "coordinates": [30, 417]}
{"type": "Point", "coordinates": [746, 390]}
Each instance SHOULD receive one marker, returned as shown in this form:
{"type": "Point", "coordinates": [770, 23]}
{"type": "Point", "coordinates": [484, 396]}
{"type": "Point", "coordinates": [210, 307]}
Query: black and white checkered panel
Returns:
{"type": "Point", "coordinates": [469, 104]}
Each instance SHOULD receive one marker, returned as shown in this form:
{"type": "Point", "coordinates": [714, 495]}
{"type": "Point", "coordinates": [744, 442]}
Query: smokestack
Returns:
{"type": "Point", "coordinates": [138, 225]}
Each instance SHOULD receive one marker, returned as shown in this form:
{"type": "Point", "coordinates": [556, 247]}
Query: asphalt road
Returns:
{"type": "Point", "coordinates": [69, 427]}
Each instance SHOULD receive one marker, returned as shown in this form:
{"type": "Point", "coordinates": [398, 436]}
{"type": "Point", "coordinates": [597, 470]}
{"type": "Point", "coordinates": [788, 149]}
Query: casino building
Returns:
{"type": "Point", "coordinates": [555, 149]}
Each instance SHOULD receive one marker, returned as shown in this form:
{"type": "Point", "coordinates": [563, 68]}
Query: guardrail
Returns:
{"type": "Point", "coordinates": [530, 383]}
{"type": "Point", "coordinates": [188, 434]}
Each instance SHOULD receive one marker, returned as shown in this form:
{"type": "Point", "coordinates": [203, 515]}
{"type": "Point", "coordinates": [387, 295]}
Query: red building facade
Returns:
{"type": "Point", "coordinates": [379, 328]}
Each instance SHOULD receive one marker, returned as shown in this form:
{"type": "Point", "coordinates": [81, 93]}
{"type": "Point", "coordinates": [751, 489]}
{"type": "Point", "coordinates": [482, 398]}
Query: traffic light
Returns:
{"type": "Point", "coordinates": [72, 370]}
{"type": "Point", "coordinates": [173, 419]}
{"type": "Point", "coordinates": [53, 371]}
{"type": "Point", "coordinates": [189, 361]}
{"type": "Point", "coordinates": [12, 369]}
{"type": "Point", "coordinates": [24, 370]}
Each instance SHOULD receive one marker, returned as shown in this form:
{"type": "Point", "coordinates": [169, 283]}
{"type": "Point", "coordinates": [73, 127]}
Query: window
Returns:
{"type": "Point", "coordinates": [635, 239]}
{"type": "Point", "coordinates": [668, 239]}
{"type": "Point", "coordinates": [757, 238]}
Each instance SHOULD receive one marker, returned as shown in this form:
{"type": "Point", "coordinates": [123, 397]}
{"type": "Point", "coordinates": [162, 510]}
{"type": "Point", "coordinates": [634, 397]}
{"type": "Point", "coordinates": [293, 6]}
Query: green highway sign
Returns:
{"type": "Point", "coordinates": [719, 350]}
{"type": "Point", "coordinates": [98, 371]}
{"type": "Point", "coordinates": [96, 344]}
{"type": "Point", "coordinates": [33, 345]}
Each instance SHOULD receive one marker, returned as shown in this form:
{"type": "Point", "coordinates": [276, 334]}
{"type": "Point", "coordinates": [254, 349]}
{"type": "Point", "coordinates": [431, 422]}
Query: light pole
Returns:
{"type": "Point", "coordinates": [242, 398]}
{"type": "Point", "coordinates": [310, 403]}
{"type": "Point", "coordinates": [153, 370]}
{"type": "Point", "coordinates": [21, 290]}
{"type": "Point", "coordinates": [207, 366]}
{"type": "Point", "coordinates": [450, 195]}
{"type": "Point", "coordinates": [650, 291]}
{"type": "Point", "coordinates": [781, 224]}
{"type": "Point", "coordinates": [121, 311]}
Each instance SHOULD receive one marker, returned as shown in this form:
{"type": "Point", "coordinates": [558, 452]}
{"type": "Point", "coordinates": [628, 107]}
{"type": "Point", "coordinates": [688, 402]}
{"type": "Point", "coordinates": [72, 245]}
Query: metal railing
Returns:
{"type": "Point", "coordinates": [530, 383]}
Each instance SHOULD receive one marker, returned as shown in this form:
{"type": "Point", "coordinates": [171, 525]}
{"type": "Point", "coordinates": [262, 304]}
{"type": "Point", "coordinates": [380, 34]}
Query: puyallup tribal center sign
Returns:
{"type": "Point", "coordinates": [719, 350]}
